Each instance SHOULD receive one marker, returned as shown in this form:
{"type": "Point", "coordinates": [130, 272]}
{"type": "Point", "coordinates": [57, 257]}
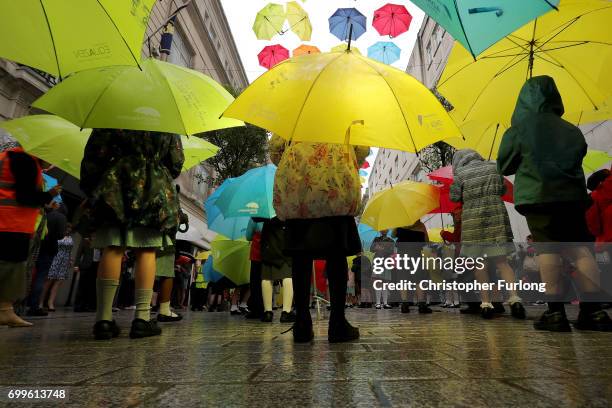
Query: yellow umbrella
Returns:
{"type": "Point", "coordinates": [400, 205]}
{"type": "Point", "coordinates": [343, 47]}
{"type": "Point", "coordinates": [231, 259]}
{"type": "Point", "coordinates": [299, 22]}
{"type": "Point", "coordinates": [306, 49]}
{"type": "Point", "coordinates": [434, 233]}
{"type": "Point", "coordinates": [196, 150]}
{"type": "Point", "coordinates": [342, 97]}
{"type": "Point", "coordinates": [572, 45]}
{"type": "Point", "coordinates": [269, 21]}
{"type": "Point", "coordinates": [202, 255]}
{"type": "Point", "coordinates": [594, 160]}
{"type": "Point", "coordinates": [484, 137]}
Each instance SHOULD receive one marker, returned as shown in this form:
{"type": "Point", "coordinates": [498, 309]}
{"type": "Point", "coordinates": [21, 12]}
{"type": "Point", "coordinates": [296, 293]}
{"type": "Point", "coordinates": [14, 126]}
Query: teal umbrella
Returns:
{"type": "Point", "coordinates": [385, 52]}
{"type": "Point", "coordinates": [478, 24]}
{"type": "Point", "coordinates": [249, 195]}
{"type": "Point", "coordinates": [231, 227]}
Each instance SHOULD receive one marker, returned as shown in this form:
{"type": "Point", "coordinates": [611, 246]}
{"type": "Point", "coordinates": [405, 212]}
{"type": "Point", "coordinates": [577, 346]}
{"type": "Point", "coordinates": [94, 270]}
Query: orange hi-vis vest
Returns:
{"type": "Point", "coordinates": [15, 217]}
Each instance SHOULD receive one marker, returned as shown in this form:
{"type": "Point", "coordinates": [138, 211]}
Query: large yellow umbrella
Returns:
{"type": "Point", "coordinates": [299, 22]}
{"type": "Point", "coordinates": [342, 97]}
{"type": "Point", "coordinates": [269, 21]}
{"type": "Point", "coordinates": [61, 37]}
{"type": "Point", "coordinates": [162, 97]}
{"type": "Point", "coordinates": [343, 47]}
{"type": "Point", "coordinates": [400, 205]}
{"type": "Point", "coordinates": [572, 45]}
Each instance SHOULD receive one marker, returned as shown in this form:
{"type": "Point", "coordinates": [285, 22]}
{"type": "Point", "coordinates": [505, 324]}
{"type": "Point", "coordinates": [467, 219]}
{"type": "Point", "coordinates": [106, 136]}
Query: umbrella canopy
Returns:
{"type": "Point", "coordinates": [163, 97]}
{"type": "Point", "coordinates": [445, 176]}
{"type": "Point", "coordinates": [210, 274]}
{"type": "Point", "coordinates": [343, 19]}
{"type": "Point", "coordinates": [299, 22]}
{"type": "Point", "coordinates": [484, 137]}
{"type": "Point", "coordinates": [594, 160]}
{"type": "Point", "coordinates": [365, 165]}
{"type": "Point", "coordinates": [272, 55]}
{"type": "Point", "coordinates": [269, 21]}
{"type": "Point", "coordinates": [434, 233]}
{"type": "Point", "coordinates": [391, 20]}
{"type": "Point", "coordinates": [344, 98]}
{"type": "Point", "coordinates": [306, 49]}
{"type": "Point", "coordinates": [62, 37]}
{"type": "Point", "coordinates": [478, 24]}
{"type": "Point", "coordinates": [234, 227]}
{"type": "Point", "coordinates": [366, 235]}
{"type": "Point", "coordinates": [250, 194]}
{"type": "Point", "coordinates": [196, 150]}
{"type": "Point", "coordinates": [400, 205]}
{"type": "Point", "coordinates": [344, 48]}
{"type": "Point", "coordinates": [385, 52]}
{"type": "Point", "coordinates": [557, 45]}
{"type": "Point", "coordinates": [231, 259]}
{"type": "Point", "coordinates": [446, 206]}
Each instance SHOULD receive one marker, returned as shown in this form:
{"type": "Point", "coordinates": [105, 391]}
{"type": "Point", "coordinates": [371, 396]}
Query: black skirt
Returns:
{"type": "Point", "coordinates": [321, 238]}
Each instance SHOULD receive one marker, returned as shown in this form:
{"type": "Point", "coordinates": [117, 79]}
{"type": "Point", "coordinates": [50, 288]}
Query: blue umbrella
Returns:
{"type": "Point", "coordinates": [51, 182]}
{"type": "Point", "coordinates": [366, 235]}
{"type": "Point", "coordinates": [250, 194]}
{"type": "Point", "coordinates": [210, 275]}
{"type": "Point", "coordinates": [234, 227]}
{"type": "Point", "coordinates": [363, 173]}
{"type": "Point", "coordinates": [385, 52]}
{"type": "Point", "coordinates": [341, 21]}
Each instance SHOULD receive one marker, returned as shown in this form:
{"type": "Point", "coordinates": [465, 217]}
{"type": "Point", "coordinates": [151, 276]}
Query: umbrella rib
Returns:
{"type": "Point", "coordinates": [59, 71]}
{"type": "Point", "coordinates": [463, 29]}
{"type": "Point", "coordinates": [551, 5]}
{"type": "Point", "coordinates": [297, 119]}
{"type": "Point", "coordinates": [93, 107]}
{"type": "Point", "coordinates": [398, 104]}
{"type": "Point", "coordinates": [120, 34]}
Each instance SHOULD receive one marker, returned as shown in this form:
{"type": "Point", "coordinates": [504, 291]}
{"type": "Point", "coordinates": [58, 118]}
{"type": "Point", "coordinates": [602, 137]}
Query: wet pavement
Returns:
{"type": "Point", "coordinates": [214, 359]}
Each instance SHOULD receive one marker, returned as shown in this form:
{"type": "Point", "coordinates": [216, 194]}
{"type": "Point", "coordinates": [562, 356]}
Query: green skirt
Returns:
{"type": "Point", "coordinates": [138, 237]}
{"type": "Point", "coordinates": [164, 263]}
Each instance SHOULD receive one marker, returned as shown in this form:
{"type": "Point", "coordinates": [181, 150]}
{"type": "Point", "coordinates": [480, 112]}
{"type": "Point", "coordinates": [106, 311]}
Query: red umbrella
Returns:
{"type": "Point", "coordinates": [272, 55]}
{"type": "Point", "coordinates": [365, 165]}
{"type": "Point", "coordinates": [445, 176]}
{"type": "Point", "coordinates": [391, 20]}
{"type": "Point", "coordinates": [446, 205]}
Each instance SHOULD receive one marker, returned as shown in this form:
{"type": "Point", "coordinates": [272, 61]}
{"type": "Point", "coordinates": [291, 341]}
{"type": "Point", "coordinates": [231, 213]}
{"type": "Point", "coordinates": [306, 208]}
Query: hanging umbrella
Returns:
{"type": "Point", "coordinates": [400, 205]}
{"type": "Point", "coordinates": [366, 235]}
{"type": "Point", "coordinates": [231, 227]}
{"type": "Point", "coordinates": [62, 37]}
{"type": "Point", "coordinates": [445, 176]}
{"type": "Point", "coordinates": [210, 274]}
{"type": "Point", "coordinates": [594, 160]}
{"type": "Point", "coordinates": [306, 49]}
{"type": "Point", "coordinates": [272, 55]}
{"type": "Point", "coordinates": [196, 150]}
{"type": "Point", "coordinates": [573, 46]}
{"type": "Point", "coordinates": [478, 24]}
{"type": "Point", "coordinates": [391, 20]}
{"type": "Point", "coordinates": [343, 19]}
{"type": "Point", "coordinates": [385, 52]}
{"type": "Point", "coordinates": [269, 21]}
{"type": "Point", "coordinates": [250, 194]}
{"type": "Point", "coordinates": [344, 98]}
{"type": "Point", "coordinates": [231, 259]}
{"type": "Point", "coordinates": [299, 22]}
{"type": "Point", "coordinates": [163, 97]}
{"type": "Point", "coordinates": [365, 165]}
{"type": "Point", "coordinates": [363, 173]}
{"type": "Point", "coordinates": [344, 48]}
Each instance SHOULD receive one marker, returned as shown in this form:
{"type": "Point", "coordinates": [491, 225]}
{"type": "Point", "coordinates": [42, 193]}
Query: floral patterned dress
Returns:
{"type": "Point", "coordinates": [61, 262]}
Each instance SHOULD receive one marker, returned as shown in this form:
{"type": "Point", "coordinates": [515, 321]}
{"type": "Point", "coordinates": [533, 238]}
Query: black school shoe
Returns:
{"type": "Point", "coordinates": [142, 328]}
{"type": "Point", "coordinates": [517, 310]}
{"type": "Point", "coordinates": [424, 309]}
{"type": "Point", "coordinates": [596, 321]}
{"type": "Point", "coordinates": [498, 307]}
{"type": "Point", "coordinates": [472, 308]}
{"type": "Point", "coordinates": [168, 319]}
{"type": "Point", "coordinates": [487, 312]}
{"type": "Point", "coordinates": [341, 331]}
{"type": "Point", "coordinates": [105, 330]}
{"type": "Point", "coordinates": [552, 321]}
{"type": "Point", "coordinates": [405, 308]}
{"type": "Point", "coordinates": [267, 317]}
{"type": "Point", "coordinates": [287, 317]}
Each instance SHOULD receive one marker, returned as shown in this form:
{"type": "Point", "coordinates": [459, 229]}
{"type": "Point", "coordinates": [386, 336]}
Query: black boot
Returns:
{"type": "Point", "coordinates": [301, 272]}
{"type": "Point", "coordinates": [339, 329]}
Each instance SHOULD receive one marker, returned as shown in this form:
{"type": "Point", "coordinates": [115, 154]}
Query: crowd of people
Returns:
{"type": "Point", "coordinates": [132, 215]}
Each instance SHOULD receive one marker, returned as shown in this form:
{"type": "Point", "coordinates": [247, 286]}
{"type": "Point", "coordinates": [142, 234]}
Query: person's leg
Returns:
{"type": "Point", "coordinates": [339, 328]}
{"type": "Point", "coordinates": [385, 298]}
{"type": "Point", "coordinates": [142, 326]}
{"type": "Point", "coordinates": [486, 307]}
{"type": "Point", "coordinates": [507, 274]}
{"type": "Point", "coordinates": [55, 285]}
{"type": "Point", "coordinates": [245, 294]}
{"type": "Point", "coordinates": [12, 288]}
{"type": "Point", "coordinates": [301, 271]}
{"type": "Point", "coordinates": [266, 293]}
{"type": "Point", "coordinates": [165, 293]}
{"type": "Point", "coordinates": [45, 293]}
{"type": "Point", "coordinates": [234, 300]}
{"type": "Point", "coordinates": [109, 270]}
{"type": "Point", "coordinates": [43, 263]}
{"type": "Point", "coordinates": [287, 294]}
{"type": "Point", "coordinates": [255, 303]}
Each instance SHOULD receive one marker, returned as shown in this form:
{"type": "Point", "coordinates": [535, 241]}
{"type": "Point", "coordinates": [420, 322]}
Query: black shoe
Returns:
{"type": "Point", "coordinates": [302, 331]}
{"type": "Point", "coordinates": [517, 310]}
{"type": "Point", "coordinates": [287, 317]}
{"type": "Point", "coordinates": [596, 321]}
{"type": "Point", "coordinates": [487, 312]}
{"type": "Point", "coordinates": [253, 315]}
{"type": "Point", "coordinates": [37, 311]}
{"type": "Point", "coordinates": [212, 308]}
{"type": "Point", "coordinates": [267, 317]}
{"type": "Point", "coordinates": [405, 308]}
{"type": "Point", "coordinates": [235, 312]}
{"type": "Point", "coordinates": [105, 330]}
{"type": "Point", "coordinates": [386, 306]}
{"type": "Point", "coordinates": [243, 310]}
{"type": "Point", "coordinates": [167, 319]}
{"type": "Point", "coordinates": [141, 328]}
{"type": "Point", "coordinates": [471, 309]}
{"type": "Point", "coordinates": [553, 321]}
{"type": "Point", "coordinates": [362, 306]}
{"type": "Point", "coordinates": [498, 307]}
{"type": "Point", "coordinates": [424, 309]}
{"type": "Point", "coordinates": [341, 331]}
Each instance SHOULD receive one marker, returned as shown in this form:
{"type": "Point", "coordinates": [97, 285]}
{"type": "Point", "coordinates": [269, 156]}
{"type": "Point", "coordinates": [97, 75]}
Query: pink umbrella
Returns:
{"type": "Point", "coordinates": [391, 20]}
{"type": "Point", "coordinates": [272, 55]}
{"type": "Point", "coordinates": [365, 165]}
{"type": "Point", "coordinates": [445, 176]}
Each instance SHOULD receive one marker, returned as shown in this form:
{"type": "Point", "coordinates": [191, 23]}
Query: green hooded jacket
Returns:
{"type": "Point", "coordinates": [543, 150]}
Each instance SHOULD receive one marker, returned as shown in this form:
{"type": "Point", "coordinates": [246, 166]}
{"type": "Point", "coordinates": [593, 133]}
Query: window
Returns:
{"type": "Point", "coordinates": [181, 53]}
{"type": "Point", "coordinates": [429, 54]}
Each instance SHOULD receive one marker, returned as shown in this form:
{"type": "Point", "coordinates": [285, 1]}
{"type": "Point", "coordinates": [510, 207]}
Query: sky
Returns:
{"type": "Point", "coordinates": [241, 15]}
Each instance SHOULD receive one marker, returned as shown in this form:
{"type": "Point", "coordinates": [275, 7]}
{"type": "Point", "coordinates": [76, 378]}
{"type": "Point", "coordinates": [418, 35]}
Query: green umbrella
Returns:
{"type": "Point", "coordinates": [478, 24]}
{"type": "Point", "coordinates": [162, 97]}
{"type": "Point", "coordinates": [61, 37]}
{"type": "Point", "coordinates": [61, 143]}
{"type": "Point", "coordinates": [594, 160]}
{"type": "Point", "coordinates": [231, 259]}
{"type": "Point", "coordinates": [269, 21]}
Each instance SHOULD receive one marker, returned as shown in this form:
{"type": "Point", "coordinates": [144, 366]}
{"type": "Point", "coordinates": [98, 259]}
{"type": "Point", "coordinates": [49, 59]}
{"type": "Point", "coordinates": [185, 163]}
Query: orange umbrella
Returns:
{"type": "Point", "coordinates": [306, 49]}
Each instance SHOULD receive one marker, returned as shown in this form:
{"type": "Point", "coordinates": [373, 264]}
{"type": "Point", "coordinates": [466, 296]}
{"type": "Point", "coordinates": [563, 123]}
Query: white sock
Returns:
{"type": "Point", "coordinates": [486, 304]}
{"type": "Point", "coordinates": [164, 309]}
{"type": "Point", "coordinates": [234, 308]}
{"type": "Point", "coordinates": [243, 305]}
{"type": "Point", "coordinates": [514, 299]}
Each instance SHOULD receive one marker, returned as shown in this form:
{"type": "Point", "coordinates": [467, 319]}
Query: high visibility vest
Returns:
{"type": "Point", "coordinates": [15, 217]}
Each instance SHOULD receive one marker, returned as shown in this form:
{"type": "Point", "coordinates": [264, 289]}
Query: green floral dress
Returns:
{"type": "Point", "coordinates": [127, 176]}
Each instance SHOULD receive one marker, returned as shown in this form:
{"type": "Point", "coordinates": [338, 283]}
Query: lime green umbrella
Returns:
{"type": "Point", "coordinates": [299, 22]}
{"type": "Point", "coordinates": [269, 21]}
{"type": "Point", "coordinates": [61, 143]}
{"type": "Point", "coordinates": [163, 97]}
{"type": "Point", "coordinates": [231, 259]}
{"type": "Point", "coordinates": [61, 37]}
{"type": "Point", "coordinates": [594, 160]}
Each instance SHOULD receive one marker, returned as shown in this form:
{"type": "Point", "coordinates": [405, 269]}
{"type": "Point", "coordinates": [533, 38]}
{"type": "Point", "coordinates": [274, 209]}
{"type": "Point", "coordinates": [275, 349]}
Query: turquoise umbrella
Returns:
{"type": "Point", "coordinates": [478, 24]}
{"type": "Point", "coordinates": [250, 194]}
{"type": "Point", "coordinates": [231, 227]}
{"type": "Point", "coordinates": [366, 236]}
{"type": "Point", "coordinates": [385, 52]}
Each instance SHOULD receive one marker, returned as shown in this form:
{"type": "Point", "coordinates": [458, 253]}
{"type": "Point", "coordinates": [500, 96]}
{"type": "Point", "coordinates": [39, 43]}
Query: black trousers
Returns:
{"type": "Point", "coordinates": [255, 302]}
